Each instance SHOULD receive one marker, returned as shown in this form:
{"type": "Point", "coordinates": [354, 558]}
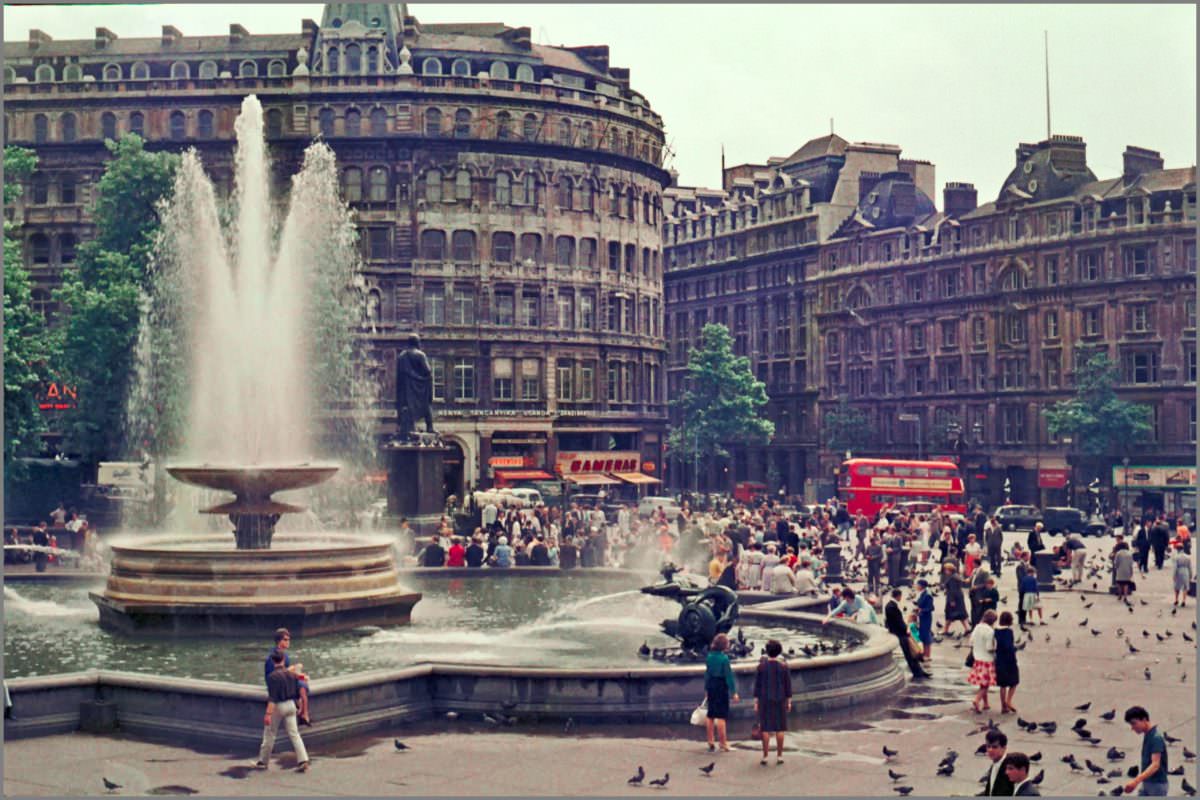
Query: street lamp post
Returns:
{"type": "Point", "coordinates": [1125, 495]}
{"type": "Point", "coordinates": [917, 419]}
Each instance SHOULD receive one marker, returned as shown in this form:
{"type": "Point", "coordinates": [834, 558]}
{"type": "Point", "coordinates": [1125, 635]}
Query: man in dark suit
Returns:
{"type": "Point", "coordinates": [1016, 766]}
{"type": "Point", "coordinates": [997, 783]}
{"type": "Point", "coordinates": [893, 619]}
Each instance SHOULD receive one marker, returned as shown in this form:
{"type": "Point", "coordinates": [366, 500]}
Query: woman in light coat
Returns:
{"type": "Point", "coordinates": [983, 671]}
{"type": "Point", "coordinates": [1181, 568]}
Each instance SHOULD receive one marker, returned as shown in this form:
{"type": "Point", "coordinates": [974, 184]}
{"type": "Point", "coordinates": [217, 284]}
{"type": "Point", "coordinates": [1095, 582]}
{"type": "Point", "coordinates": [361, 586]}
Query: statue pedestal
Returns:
{"type": "Point", "coordinates": [415, 475]}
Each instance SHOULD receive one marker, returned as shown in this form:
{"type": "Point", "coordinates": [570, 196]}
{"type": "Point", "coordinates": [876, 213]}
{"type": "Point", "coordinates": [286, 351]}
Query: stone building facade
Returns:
{"type": "Point", "coordinates": [971, 319]}
{"type": "Point", "coordinates": [508, 195]}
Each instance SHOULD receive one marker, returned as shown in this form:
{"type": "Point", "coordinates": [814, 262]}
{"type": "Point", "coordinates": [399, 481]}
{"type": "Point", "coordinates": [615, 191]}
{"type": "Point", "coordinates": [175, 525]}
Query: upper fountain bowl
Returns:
{"type": "Point", "coordinates": [254, 481]}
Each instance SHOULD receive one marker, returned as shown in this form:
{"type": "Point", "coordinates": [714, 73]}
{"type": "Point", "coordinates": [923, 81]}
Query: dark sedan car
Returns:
{"type": "Point", "coordinates": [1064, 520]}
{"type": "Point", "coordinates": [1017, 517]}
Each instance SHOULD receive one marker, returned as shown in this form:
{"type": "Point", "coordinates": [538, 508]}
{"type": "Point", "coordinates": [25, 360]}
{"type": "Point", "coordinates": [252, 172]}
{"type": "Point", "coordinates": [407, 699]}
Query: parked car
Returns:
{"type": "Point", "coordinates": [648, 505]}
{"type": "Point", "coordinates": [1059, 519]}
{"type": "Point", "coordinates": [1017, 517]}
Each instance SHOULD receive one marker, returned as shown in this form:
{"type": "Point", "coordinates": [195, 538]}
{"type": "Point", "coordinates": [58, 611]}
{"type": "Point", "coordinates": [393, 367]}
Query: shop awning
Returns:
{"type": "Point", "coordinates": [523, 475]}
{"type": "Point", "coordinates": [591, 479]}
{"type": "Point", "coordinates": [636, 477]}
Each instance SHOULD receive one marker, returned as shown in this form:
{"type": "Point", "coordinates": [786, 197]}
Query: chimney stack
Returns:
{"type": "Point", "coordinates": [237, 33]}
{"type": "Point", "coordinates": [103, 37]}
{"type": "Point", "coordinates": [36, 38]}
{"type": "Point", "coordinates": [170, 35]}
{"type": "Point", "coordinates": [904, 194]}
{"type": "Point", "coordinates": [1139, 160]}
{"type": "Point", "coordinates": [866, 182]}
{"type": "Point", "coordinates": [959, 198]}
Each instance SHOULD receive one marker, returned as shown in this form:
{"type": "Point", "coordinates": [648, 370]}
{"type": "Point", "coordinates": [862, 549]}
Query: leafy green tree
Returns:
{"type": "Point", "coordinates": [846, 428]}
{"type": "Point", "coordinates": [721, 402]}
{"type": "Point", "coordinates": [103, 295]}
{"type": "Point", "coordinates": [25, 353]}
{"type": "Point", "coordinates": [1096, 419]}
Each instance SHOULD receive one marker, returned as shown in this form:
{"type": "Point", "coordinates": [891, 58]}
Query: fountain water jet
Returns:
{"type": "Point", "coordinates": [249, 323]}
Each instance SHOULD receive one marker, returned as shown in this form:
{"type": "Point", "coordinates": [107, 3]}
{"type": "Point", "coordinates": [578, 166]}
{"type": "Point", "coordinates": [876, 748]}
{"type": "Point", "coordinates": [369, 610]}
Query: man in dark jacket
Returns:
{"type": "Point", "coordinates": [1035, 539]}
{"type": "Point", "coordinates": [434, 554]}
{"type": "Point", "coordinates": [1159, 535]}
{"type": "Point", "coordinates": [993, 540]}
{"type": "Point", "coordinates": [539, 556]}
{"type": "Point", "coordinates": [1141, 548]}
{"type": "Point", "coordinates": [893, 620]}
{"type": "Point", "coordinates": [874, 562]}
{"type": "Point", "coordinates": [997, 783]}
{"type": "Point", "coordinates": [475, 554]}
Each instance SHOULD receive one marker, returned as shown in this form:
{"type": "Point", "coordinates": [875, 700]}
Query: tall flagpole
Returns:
{"type": "Point", "coordinates": [1047, 40]}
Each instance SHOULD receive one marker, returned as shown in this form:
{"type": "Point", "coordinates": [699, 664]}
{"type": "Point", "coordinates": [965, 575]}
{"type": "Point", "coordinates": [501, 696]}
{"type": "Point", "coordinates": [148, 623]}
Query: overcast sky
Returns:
{"type": "Point", "coordinates": [960, 86]}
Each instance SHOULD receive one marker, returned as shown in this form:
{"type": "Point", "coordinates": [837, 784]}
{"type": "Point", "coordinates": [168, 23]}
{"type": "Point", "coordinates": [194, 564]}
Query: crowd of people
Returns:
{"type": "Point", "coordinates": [64, 539]}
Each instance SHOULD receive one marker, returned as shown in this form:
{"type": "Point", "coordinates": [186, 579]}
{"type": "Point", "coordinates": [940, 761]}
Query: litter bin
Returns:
{"type": "Point", "coordinates": [1043, 562]}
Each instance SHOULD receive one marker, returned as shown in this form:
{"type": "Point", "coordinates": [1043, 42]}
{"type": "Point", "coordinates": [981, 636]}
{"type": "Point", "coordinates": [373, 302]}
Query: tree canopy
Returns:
{"type": "Point", "coordinates": [1097, 420]}
{"type": "Point", "coordinates": [25, 345]}
{"type": "Point", "coordinates": [103, 295]}
{"type": "Point", "coordinates": [846, 428]}
{"type": "Point", "coordinates": [721, 401]}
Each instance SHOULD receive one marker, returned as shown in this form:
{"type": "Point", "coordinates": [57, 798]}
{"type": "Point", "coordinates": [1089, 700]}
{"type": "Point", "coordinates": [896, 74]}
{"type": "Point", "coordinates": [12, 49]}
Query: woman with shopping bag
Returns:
{"type": "Point", "coordinates": [719, 686]}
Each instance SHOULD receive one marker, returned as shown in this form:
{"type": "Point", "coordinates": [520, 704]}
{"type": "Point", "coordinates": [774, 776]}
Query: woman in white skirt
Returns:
{"type": "Point", "coordinates": [983, 671]}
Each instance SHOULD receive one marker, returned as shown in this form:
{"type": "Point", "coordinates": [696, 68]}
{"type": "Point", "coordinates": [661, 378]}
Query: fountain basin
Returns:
{"type": "Point", "coordinates": [201, 585]}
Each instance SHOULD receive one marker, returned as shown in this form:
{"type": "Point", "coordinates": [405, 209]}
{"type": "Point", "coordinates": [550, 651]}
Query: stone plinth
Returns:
{"type": "Point", "coordinates": [415, 476]}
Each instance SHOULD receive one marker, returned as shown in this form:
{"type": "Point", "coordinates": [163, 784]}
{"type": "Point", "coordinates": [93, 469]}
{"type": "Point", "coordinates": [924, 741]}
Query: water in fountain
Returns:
{"type": "Point", "coordinates": [227, 354]}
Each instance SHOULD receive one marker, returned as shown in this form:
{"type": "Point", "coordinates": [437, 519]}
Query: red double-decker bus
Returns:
{"type": "Point", "coordinates": [867, 484]}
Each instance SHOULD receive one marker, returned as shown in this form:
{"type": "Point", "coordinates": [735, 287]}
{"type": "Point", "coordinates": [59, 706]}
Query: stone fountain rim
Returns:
{"type": "Point", "coordinates": [160, 544]}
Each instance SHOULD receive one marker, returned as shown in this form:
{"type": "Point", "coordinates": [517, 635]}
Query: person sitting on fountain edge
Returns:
{"type": "Point", "coordinates": [283, 640]}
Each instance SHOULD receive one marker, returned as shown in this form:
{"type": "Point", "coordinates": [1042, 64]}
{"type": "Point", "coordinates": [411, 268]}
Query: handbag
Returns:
{"type": "Point", "coordinates": [700, 714]}
{"type": "Point", "coordinates": [970, 662]}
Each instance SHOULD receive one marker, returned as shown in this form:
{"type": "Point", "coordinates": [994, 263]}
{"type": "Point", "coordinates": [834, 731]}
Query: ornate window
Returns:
{"type": "Point", "coordinates": [325, 122]}
{"type": "Point", "coordinates": [372, 60]}
{"type": "Point", "coordinates": [248, 69]}
{"type": "Point", "coordinates": [334, 58]}
{"type": "Point", "coordinates": [433, 186]}
{"type": "Point", "coordinates": [137, 123]}
{"type": "Point", "coordinates": [41, 128]}
{"type": "Point", "coordinates": [564, 251]}
{"type": "Point", "coordinates": [461, 68]}
{"type": "Point", "coordinates": [431, 66]}
{"type": "Point", "coordinates": [462, 185]}
{"type": "Point", "coordinates": [140, 71]}
{"type": "Point", "coordinates": [433, 122]}
{"type": "Point", "coordinates": [433, 245]}
{"type": "Point", "coordinates": [274, 123]}
{"type": "Point", "coordinates": [503, 125]}
{"type": "Point", "coordinates": [108, 125]}
{"type": "Point", "coordinates": [112, 72]}
{"type": "Point", "coordinates": [529, 127]}
{"type": "Point", "coordinates": [503, 244]}
{"type": "Point", "coordinates": [39, 186]}
{"type": "Point", "coordinates": [276, 69]}
{"type": "Point", "coordinates": [464, 246]}
{"type": "Point", "coordinates": [379, 185]}
{"type": "Point", "coordinates": [565, 192]}
{"type": "Point", "coordinates": [66, 127]}
{"type": "Point", "coordinates": [587, 135]}
{"type": "Point", "coordinates": [499, 70]}
{"type": "Point", "coordinates": [39, 245]}
{"type": "Point", "coordinates": [503, 189]}
{"type": "Point", "coordinates": [178, 125]}
{"type": "Point", "coordinates": [180, 71]}
{"type": "Point", "coordinates": [208, 69]}
{"type": "Point", "coordinates": [353, 59]}
{"type": "Point", "coordinates": [525, 73]}
{"type": "Point", "coordinates": [564, 131]}
{"type": "Point", "coordinates": [352, 184]}
{"type": "Point", "coordinates": [379, 122]}
{"type": "Point", "coordinates": [43, 74]}
{"type": "Point", "coordinates": [72, 72]}
{"type": "Point", "coordinates": [462, 123]}
{"type": "Point", "coordinates": [353, 122]}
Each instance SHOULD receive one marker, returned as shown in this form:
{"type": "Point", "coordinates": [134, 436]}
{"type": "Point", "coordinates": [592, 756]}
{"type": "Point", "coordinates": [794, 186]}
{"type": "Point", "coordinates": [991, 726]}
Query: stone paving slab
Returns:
{"type": "Point", "coordinates": [833, 755]}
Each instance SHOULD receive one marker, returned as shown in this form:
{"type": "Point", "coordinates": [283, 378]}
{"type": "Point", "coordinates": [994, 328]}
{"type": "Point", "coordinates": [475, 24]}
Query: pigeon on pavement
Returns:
{"type": "Point", "coordinates": [637, 779]}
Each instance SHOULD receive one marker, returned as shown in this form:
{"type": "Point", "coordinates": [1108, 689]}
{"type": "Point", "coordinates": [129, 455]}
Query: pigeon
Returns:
{"type": "Point", "coordinates": [1048, 727]}
{"type": "Point", "coordinates": [1084, 623]}
{"type": "Point", "coordinates": [1145, 634]}
{"type": "Point", "coordinates": [1096, 632]}
{"type": "Point", "coordinates": [1188, 754]}
{"type": "Point", "coordinates": [661, 782]}
{"type": "Point", "coordinates": [1036, 756]}
{"type": "Point", "coordinates": [1160, 637]}
{"type": "Point", "coordinates": [903, 791]}
{"type": "Point", "coordinates": [644, 650]}
{"type": "Point", "coordinates": [895, 776]}
{"type": "Point", "coordinates": [1188, 789]}
{"type": "Point", "coordinates": [1069, 760]}
{"type": "Point", "coordinates": [708, 770]}
{"type": "Point", "coordinates": [1084, 707]}
{"type": "Point", "coordinates": [1114, 773]}
{"type": "Point", "coordinates": [1095, 769]}
{"type": "Point", "coordinates": [1117, 791]}
{"type": "Point", "coordinates": [1024, 723]}
{"type": "Point", "coordinates": [1079, 723]}
{"type": "Point", "coordinates": [1170, 739]}
{"type": "Point", "coordinates": [1082, 733]}
{"type": "Point", "coordinates": [636, 780]}
{"type": "Point", "coordinates": [1054, 615]}
{"type": "Point", "coordinates": [1108, 716]}
{"type": "Point", "coordinates": [946, 770]}
{"type": "Point", "coordinates": [1132, 650]}
{"type": "Point", "coordinates": [112, 787]}
{"type": "Point", "coordinates": [981, 750]}
{"type": "Point", "coordinates": [1089, 605]}
{"type": "Point", "coordinates": [889, 753]}
{"type": "Point", "coordinates": [1038, 778]}
{"type": "Point", "coordinates": [399, 744]}
{"type": "Point", "coordinates": [1114, 754]}
{"type": "Point", "coordinates": [1187, 638]}
{"type": "Point", "coordinates": [1177, 771]}
{"type": "Point", "coordinates": [950, 757]}
{"type": "Point", "coordinates": [1146, 672]}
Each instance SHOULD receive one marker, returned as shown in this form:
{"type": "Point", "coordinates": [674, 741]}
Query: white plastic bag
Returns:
{"type": "Point", "coordinates": [700, 715]}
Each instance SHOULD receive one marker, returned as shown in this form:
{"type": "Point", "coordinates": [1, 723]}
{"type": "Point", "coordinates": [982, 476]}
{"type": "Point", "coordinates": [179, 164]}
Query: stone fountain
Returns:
{"type": "Point", "coordinates": [247, 324]}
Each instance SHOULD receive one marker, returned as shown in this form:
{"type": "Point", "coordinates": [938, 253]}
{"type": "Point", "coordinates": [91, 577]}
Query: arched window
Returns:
{"type": "Point", "coordinates": [531, 247]}
{"type": "Point", "coordinates": [1013, 280]}
{"type": "Point", "coordinates": [587, 196]}
{"type": "Point", "coordinates": [353, 59]}
{"type": "Point", "coordinates": [43, 74]}
{"type": "Point", "coordinates": [630, 204]}
{"type": "Point", "coordinates": [646, 208]}
{"type": "Point", "coordinates": [72, 72]}
{"type": "Point", "coordinates": [433, 186]}
{"type": "Point", "coordinates": [503, 189]}
{"type": "Point", "coordinates": [461, 68]}
{"type": "Point", "coordinates": [274, 123]}
{"type": "Point", "coordinates": [41, 128]}
{"type": "Point", "coordinates": [462, 185]}
{"type": "Point", "coordinates": [564, 193]}
{"type": "Point", "coordinates": [587, 136]}
{"type": "Point", "coordinates": [66, 188]}
{"type": "Point", "coordinates": [66, 127]}
{"type": "Point", "coordinates": [614, 200]}
{"type": "Point", "coordinates": [108, 125]}
{"type": "Point", "coordinates": [374, 307]}
{"type": "Point", "coordinates": [112, 72]}
{"type": "Point", "coordinates": [180, 71]}
{"type": "Point", "coordinates": [137, 123]}
{"type": "Point", "coordinates": [379, 122]}
{"type": "Point", "coordinates": [66, 248]}
{"type": "Point", "coordinates": [463, 243]}
{"type": "Point", "coordinates": [564, 131]}
{"type": "Point", "coordinates": [204, 126]}
{"type": "Point", "coordinates": [433, 245]}
{"type": "Point", "coordinates": [503, 244]}
{"type": "Point", "coordinates": [332, 66]}
{"type": "Point", "coordinates": [372, 60]}
{"type": "Point", "coordinates": [431, 66]}
{"type": "Point", "coordinates": [353, 122]}
{"type": "Point", "coordinates": [178, 125]}
{"type": "Point", "coordinates": [248, 69]}
{"type": "Point", "coordinates": [208, 69]}
{"type": "Point", "coordinates": [325, 122]}
{"type": "Point", "coordinates": [140, 71]}
{"type": "Point", "coordinates": [10, 76]}
{"type": "Point", "coordinates": [857, 298]}
{"type": "Point", "coordinates": [614, 140]}
{"type": "Point", "coordinates": [433, 122]}
{"type": "Point", "coordinates": [39, 188]}
{"type": "Point", "coordinates": [276, 69]}
{"type": "Point", "coordinates": [564, 251]}
{"type": "Point", "coordinates": [529, 127]}
{"type": "Point", "coordinates": [525, 73]}
{"type": "Point", "coordinates": [499, 70]}
{"type": "Point", "coordinates": [503, 125]}
{"type": "Point", "coordinates": [352, 184]}
{"type": "Point", "coordinates": [39, 246]}
{"type": "Point", "coordinates": [629, 142]}
{"type": "Point", "coordinates": [462, 123]}
{"type": "Point", "coordinates": [379, 180]}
